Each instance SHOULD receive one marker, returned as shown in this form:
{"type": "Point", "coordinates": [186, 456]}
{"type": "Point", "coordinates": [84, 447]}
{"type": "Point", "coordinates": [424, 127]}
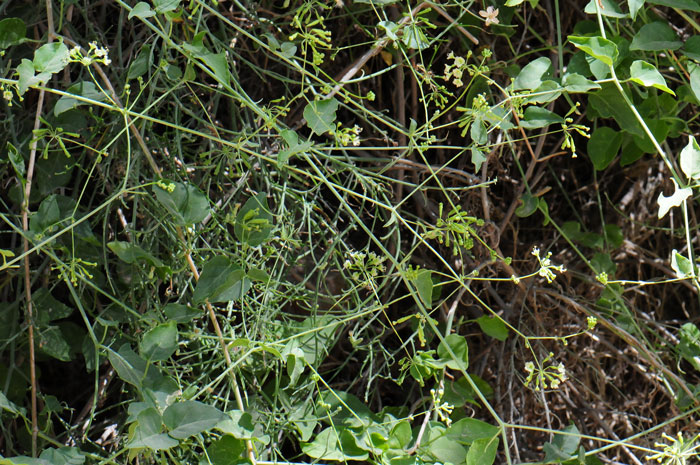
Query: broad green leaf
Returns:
{"type": "Point", "coordinates": [414, 37]}
{"type": "Point", "coordinates": [689, 345]}
{"type": "Point", "coordinates": [53, 342]}
{"type": "Point", "coordinates": [563, 446]}
{"type": "Point", "coordinates": [218, 64]}
{"type": "Point", "coordinates": [23, 460]}
{"type": "Point", "coordinates": [85, 89]}
{"type": "Point", "coordinates": [493, 326]}
{"type": "Point", "coordinates": [163, 6]}
{"type": "Point", "coordinates": [575, 83]}
{"type": "Point", "coordinates": [226, 450]}
{"type": "Point", "coordinates": [185, 202]}
{"type": "Point", "coordinates": [185, 419]}
{"type": "Point", "coordinates": [347, 409]}
{"type": "Point", "coordinates": [690, 159]}
{"type": "Point", "coordinates": [655, 37]}
{"type": "Point", "coordinates": [149, 432]}
{"type": "Point", "coordinates": [132, 253]}
{"type": "Point", "coordinates": [689, 5]}
{"type": "Point", "coordinates": [26, 77]}
{"type": "Point", "coordinates": [527, 207]}
{"type": "Point", "coordinates": [547, 91]}
{"type": "Point", "coordinates": [129, 366]}
{"type": "Point", "coordinates": [533, 74]}
{"type": "Point", "coordinates": [691, 48]}
{"type": "Point", "coordinates": [141, 10]}
{"type": "Point", "coordinates": [483, 451]}
{"type": "Point", "coordinates": [678, 196]}
{"type": "Point", "coordinates": [538, 117]}
{"type": "Point", "coordinates": [597, 47]}
{"type": "Point", "coordinates": [467, 430]}
{"type": "Point", "coordinates": [694, 71]}
{"type": "Point", "coordinates": [634, 6]}
{"type": "Point", "coordinates": [238, 424]}
{"type": "Point", "coordinates": [610, 9]}
{"type": "Point", "coordinates": [681, 265]}
{"type": "Point", "coordinates": [447, 451]}
{"type": "Point", "coordinates": [424, 285]}
{"type": "Point", "coordinates": [63, 456]}
{"type": "Point", "coordinates": [49, 308]}
{"type": "Point", "coordinates": [334, 444]}
{"type": "Point", "coordinates": [160, 342]}
{"type": "Point", "coordinates": [659, 129]}
{"type": "Point", "coordinates": [458, 345]}
{"type": "Point", "coordinates": [12, 32]}
{"type": "Point", "coordinates": [51, 58]}
{"type": "Point", "coordinates": [220, 281]}
{"type": "Point", "coordinates": [294, 146]}
{"type": "Point", "coordinates": [603, 146]}
{"type": "Point", "coordinates": [6, 405]}
{"type": "Point", "coordinates": [139, 65]}
{"type": "Point", "coordinates": [608, 102]}
{"type": "Point", "coordinates": [320, 115]}
{"type": "Point", "coordinates": [647, 75]}
{"type": "Point", "coordinates": [180, 313]}
{"type": "Point", "coordinates": [254, 221]}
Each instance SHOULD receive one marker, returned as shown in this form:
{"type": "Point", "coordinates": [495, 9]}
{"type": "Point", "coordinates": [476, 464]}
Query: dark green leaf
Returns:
{"type": "Point", "coordinates": [424, 285]}
{"type": "Point", "coordinates": [185, 202]}
{"type": "Point", "coordinates": [608, 102]}
{"type": "Point", "coordinates": [458, 345]}
{"type": "Point", "coordinates": [483, 451]}
{"type": "Point", "coordinates": [141, 10]}
{"type": "Point", "coordinates": [563, 446]}
{"type": "Point", "coordinates": [493, 326]}
{"type": "Point", "coordinates": [334, 444]}
{"type": "Point", "coordinates": [53, 343]}
{"type": "Point", "coordinates": [238, 424]}
{"type": "Point", "coordinates": [467, 430]}
{"type": "Point", "coordinates": [160, 342]}
{"type": "Point", "coordinates": [185, 419]}
{"type": "Point", "coordinates": [597, 47]}
{"type": "Point", "coordinates": [63, 456]}
{"type": "Point", "coordinates": [129, 366]}
{"type": "Point", "coordinates": [218, 64]}
{"type": "Point", "coordinates": [689, 5]}
{"type": "Point", "coordinates": [527, 207]}
{"type": "Point", "coordinates": [85, 89]}
{"type": "Point", "coordinates": [220, 281]}
{"type": "Point", "coordinates": [689, 345]}
{"type": "Point", "coordinates": [180, 313]}
{"type": "Point", "coordinates": [609, 8]}
{"type": "Point", "coordinates": [12, 32]}
{"type": "Point", "coordinates": [149, 432]}
{"type": "Point", "coordinates": [17, 161]}
{"type": "Point", "coordinates": [603, 147]}
{"type": "Point", "coordinates": [226, 450]}
{"type": "Point", "coordinates": [163, 6]}
{"type": "Point", "coordinates": [655, 37]}
{"type": "Point", "coordinates": [132, 253]}
{"type": "Point", "coordinates": [537, 117]}
{"type": "Point", "coordinates": [532, 75]}
{"type": "Point", "coordinates": [691, 48]}
{"type": "Point", "coordinates": [254, 221]}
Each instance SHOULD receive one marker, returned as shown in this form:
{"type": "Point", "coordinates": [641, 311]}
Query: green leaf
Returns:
{"type": "Point", "coordinates": [458, 345]}
{"type": "Point", "coordinates": [218, 64]}
{"type": "Point", "coordinates": [424, 285]}
{"type": "Point", "coordinates": [23, 460]}
{"type": "Point", "coordinates": [254, 221]}
{"type": "Point", "coordinates": [51, 58]}
{"type": "Point", "coordinates": [8, 406]}
{"type": "Point", "coordinates": [678, 196]}
{"type": "Point", "coordinates": [694, 71]}
{"type": "Point", "coordinates": [17, 161]}
{"type": "Point", "coordinates": [129, 366]}
{"type": "Point", "coordinates": [85, 89]}
{"type": "Point", "coordinates": [347, 409]}
{"type": "Point", "coordinates": [575, 83]}
{"type": "Point", "coordinates": [238, 424]}
{"type": "Point", "coordinates": [132, 253]}
{"type": "Point", "coordinates": [689, 345]}
{"type": "Point", "coordinates": [527, 207]}
{"type": "Point", "coordinates": [647, 75]}
{"type": "Point", "coordinates": [603, 147]}
{"type": "Point", "coordinates": [163, 6]}
{"type": "Point", "coordinates": [12, 32]}
{"type": "Point", "coordinates": [320, 115]}
{"type": "Point", "coordinates": [537, 117]}
{"type": "Point", "coordinates": [690, 159]}
{"type": "Point", "coordinates": [563, 446]}
{"type": "Point", "coordinates": [414, 37]}
{"type": "Point", "coordinates": [493, 326]}
{"type": "Point", "coordinates": [180, 313]}
{"type": "Point", "coordinates": [149, 432]}
{"type": "Point", "coordinates": [186, 203]}
{"type": "Point", "coordinates": [27, 78]}
{"type": "Point", "coordinates": [467, 430]}
{"type": "Point", "coordinates": [141, 10]}
{"type": "Point", "coordinates": [334, 444]}
{"type": "Point", "coordinates": [533, 74]}
{"type": "Point", "coordinates": [478, 158]}
{"type": "Point", "coordinates": [53, 343]}
{"type": "Point", "coordinates": [688, 5]}
{"type": "Point", "coordinates": [447, 451]}
{"type": "Point", "coordinates": [185, 419]}
{"type": "Point", "coordinates": [483, 451]}
{"type": "Point", "coordinates": [49, 309]}
{"type": "Point", "coordinates": [608, 102]}
{"type": "Point", "coordinates": [634, 6]}
{"type": "Point", "coordinates": [655, 37]}
{"type": "Point", "coordinates": [681, 265]}
{"type": "Point", "coordinates": [220, 281]}
{"type": "Point", "coordinates": [139, 65]}
{"type": "Point", "coordinates": [691, 48]}
{"type": "Point", "coordinates": [63, 456]}
{"type": "Point", "coordinates": [160, 342]}
{"type": "Point", "coordinates": [226, 450]}
{"type": "Point", "coordinates": [295, 147]}
{"type": "Point", "coordinates": [597, 47]}
{"type": "Point", "coordinates": [610, 9]}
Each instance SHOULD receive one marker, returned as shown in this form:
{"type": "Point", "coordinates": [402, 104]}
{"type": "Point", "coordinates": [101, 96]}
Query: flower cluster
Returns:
{"type": "Point", "coordinates": [550, 376]}
{"type": "Point", "coordinates": [364, 267]}
{"type": "Point", "coordinates": [94, 55]}
{"type": "Point", "coordinates": [455, 70]}
{"type": "Point", "coordinates": [443, 409]}
{"type": "Point", "coordinates": [678, 452]}
{"type": "Point", "coordinates": [547, 269]}
{"type": "Point", "coordinates": [348, 136]}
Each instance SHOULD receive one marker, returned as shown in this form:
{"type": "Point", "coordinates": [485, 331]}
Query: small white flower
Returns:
{"type": "Point", "coordinates": [491, 15]}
